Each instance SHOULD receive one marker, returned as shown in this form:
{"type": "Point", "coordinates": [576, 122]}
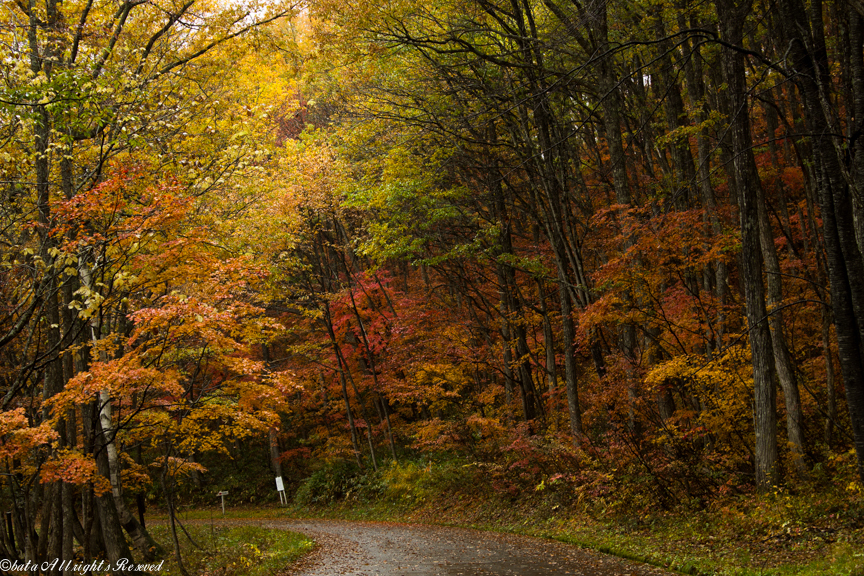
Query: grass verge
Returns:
{"type": "Point", "coordinates": [231, 550]}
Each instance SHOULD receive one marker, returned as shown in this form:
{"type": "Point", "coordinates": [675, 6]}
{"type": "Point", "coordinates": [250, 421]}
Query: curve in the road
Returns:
{"type": "Point", "coordinates": [384, 549]}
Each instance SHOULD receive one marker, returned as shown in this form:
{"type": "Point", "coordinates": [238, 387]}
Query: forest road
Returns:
{"type": "Point", "coordinates": [387, 549]}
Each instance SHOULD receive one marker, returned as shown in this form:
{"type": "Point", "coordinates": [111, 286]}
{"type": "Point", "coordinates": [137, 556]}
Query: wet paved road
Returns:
{"type": "Point", "coordinates": [385, 549]}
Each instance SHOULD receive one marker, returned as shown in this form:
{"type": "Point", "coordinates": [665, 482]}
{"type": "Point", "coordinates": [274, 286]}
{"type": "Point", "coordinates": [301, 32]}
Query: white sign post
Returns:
{"type": "Point", "coordinates": [223, 493]}
{"type": "Point", "coordinates": [280, 488]}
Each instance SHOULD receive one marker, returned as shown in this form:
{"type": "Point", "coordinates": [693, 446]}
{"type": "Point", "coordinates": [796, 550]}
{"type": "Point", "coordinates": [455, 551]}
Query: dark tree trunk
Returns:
{"type": "Point", "coordinates": [732, 16]}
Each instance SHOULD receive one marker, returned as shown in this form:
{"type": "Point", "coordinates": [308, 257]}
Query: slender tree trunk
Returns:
{"type": "Point", "coordinates": [507, 357]}
{"type": "Point", "coordinates": [856, 65]}
{"type": "Point", "coordinates": [275, 456]}
{"type": "Point", "coordinates": [696, 90]}
{"type": "Point", "coordinates": [782, 357]}
{"type": "Point", "coordinates": [568, 333]}
{"type": "Point", "coordinates": [831, 396]}
{"type": "Point", "coordinates": [611, 105]}
{"type": "Point", "coordinates": [354, 438]}
{"type": "Point", "coordinates": [373, 371]}
{"type": "Point", "coordinates": [549, 348]}
{"type": "Point", "coordinates": [169, 500]}
{"type": "Point", "coordinates": [345, 372]}
{"type": "Point", "coordinates": [732, 15]}
{"type": "Point", "coordinates": [143, 542]}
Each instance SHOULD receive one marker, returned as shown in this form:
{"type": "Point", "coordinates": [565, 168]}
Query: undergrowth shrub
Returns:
{"type": "Point", "coordinates": [329, 484]}
{"type": "Point", "coordinates": [403, 481]}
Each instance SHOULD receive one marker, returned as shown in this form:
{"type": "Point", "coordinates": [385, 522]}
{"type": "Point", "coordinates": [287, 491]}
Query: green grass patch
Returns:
{"type": "Point", "coordinates": [232, 550]}
{"type": "Point", "coordinates": [215, 514]}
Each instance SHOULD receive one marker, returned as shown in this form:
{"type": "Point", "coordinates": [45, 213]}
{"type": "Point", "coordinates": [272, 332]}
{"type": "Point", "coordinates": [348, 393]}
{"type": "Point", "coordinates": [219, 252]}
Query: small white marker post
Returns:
{"type": "Point", "coordinates": [280, 488]}
{"type": "Point", "coordinates": [223, 493]}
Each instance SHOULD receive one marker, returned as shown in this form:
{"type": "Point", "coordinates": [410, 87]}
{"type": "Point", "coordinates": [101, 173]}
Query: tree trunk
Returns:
{"type": "Point", "coordinates": [275, 456]}
{"type": "Point", "coordinates": [143, 542]}
{"type": "Point", "coordinates": [112, 533]}
{"type": "Point", "coordinates": [732, 16]}
{"type": "Point", "coordinates": [782, 357]}
{"type": "Point", "coordinates": [549, 348]}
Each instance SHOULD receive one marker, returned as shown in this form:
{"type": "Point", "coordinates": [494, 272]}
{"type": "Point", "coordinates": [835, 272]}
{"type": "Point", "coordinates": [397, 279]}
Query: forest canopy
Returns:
{"type": "Point", "coordinates": [618, 244]}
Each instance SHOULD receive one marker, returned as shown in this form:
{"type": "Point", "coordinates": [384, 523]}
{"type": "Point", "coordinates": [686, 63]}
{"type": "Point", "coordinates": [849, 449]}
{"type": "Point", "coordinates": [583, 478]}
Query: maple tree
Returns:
{"type": "Point", "coordinates": [111, 157]}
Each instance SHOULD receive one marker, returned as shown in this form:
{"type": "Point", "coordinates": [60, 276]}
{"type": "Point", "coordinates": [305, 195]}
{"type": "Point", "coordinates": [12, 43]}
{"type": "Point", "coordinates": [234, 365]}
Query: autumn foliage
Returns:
{"type": "Point", "coordinates": [588, 248]}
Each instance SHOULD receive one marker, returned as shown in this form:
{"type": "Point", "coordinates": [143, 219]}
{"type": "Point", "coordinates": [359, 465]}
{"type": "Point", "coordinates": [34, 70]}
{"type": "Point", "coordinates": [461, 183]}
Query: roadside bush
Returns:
{"type": "Point", "coordinates": [402, 481]}
{"type": "Point", "coordinates": [339, 480]}
{"type": "Point", "coordinates": [329, 484]}
{"type": "Point", "coordinates": [405, 481]}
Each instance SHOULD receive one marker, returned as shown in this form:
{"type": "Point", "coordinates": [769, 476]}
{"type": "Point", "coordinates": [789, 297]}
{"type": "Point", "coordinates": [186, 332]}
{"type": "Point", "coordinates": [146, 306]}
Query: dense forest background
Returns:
{"type": "Point", "coordinates": [613, 246]}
